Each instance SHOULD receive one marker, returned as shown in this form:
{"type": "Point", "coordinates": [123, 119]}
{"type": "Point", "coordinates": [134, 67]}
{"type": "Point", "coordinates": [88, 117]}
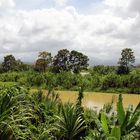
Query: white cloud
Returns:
{"type": "Point", "coordinates": [117, 3]}
{"type": "Point", "coordinates": [7, 4]}
{"type": "Point", "coordinates": [100, 36]}
{"type": "Point", "coordinates": [61, 2]}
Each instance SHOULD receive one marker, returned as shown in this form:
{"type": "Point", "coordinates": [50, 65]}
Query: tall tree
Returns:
{"type": "Point", "coordinates": [126, 60]}
{"type": "Point", "coordinates": [9, 63]}
{"type": "Point", "coordinates": [43, 61]}
{"type": "Point", "coordinates": [61, 61]}
{"type": "Point", "coordinates": [78, 61]}
{"type": "Point", "coordinates": [70, 61]}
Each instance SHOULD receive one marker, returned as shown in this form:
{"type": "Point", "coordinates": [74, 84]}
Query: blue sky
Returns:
{"type": "Point", "coordinates": [98, 28]}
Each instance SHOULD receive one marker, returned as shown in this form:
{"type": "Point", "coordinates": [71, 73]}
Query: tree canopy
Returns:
{"type": "Point", "coordinates": [43, 61]}
{"type": "Point", "coordinates": [70, 61]}
{"type": "Point", "coordinates": [9, 63]}
{"type": "Point", "coordinates": [78, 61]}
{"type": "Point", "coordinates": [126, 60]}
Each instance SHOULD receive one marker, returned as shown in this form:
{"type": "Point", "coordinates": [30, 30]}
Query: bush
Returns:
{"type": "Point", "coordinates": [102, 70]}
{"type": "Point", "coordinates": [134, 83]}
{"type": "Point", "coordinates": [111, 81]}
{"type": "Point", "coordinates": [9, 77]}
{"type": "Point", "coordinates": [36, 79]}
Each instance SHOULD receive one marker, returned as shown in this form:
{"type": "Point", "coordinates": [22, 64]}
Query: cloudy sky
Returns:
{"type": "Point", "coordinates": [98, 28]}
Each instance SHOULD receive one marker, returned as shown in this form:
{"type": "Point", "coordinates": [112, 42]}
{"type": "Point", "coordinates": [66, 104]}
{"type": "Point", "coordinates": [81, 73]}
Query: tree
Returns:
{"type": "Point", "coordinates": [125, 61]}
{"type": "Point", "coordinates": [9, 63]}
{"type": "Point", "coordinates": [78, 61]}
{"type": "Point", "coordinates": [20, 66]}
{"type": "Point", "coordinates": [61, 61]}
{"type": "Point", "coordinates": [43, 61]}
{"type": "Point", "coordinates": [70, 61]}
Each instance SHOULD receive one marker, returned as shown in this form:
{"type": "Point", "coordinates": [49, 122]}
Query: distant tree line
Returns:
{"type": "Point", "coordinates": [63, 72]}
{"type": "Point", "coordinates": [10, 64]}
{"type": "Point", "coordinates": [64, 60]}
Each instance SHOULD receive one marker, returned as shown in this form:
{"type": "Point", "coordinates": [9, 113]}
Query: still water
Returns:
{"type": "Point", "coordinates": [97, 100]}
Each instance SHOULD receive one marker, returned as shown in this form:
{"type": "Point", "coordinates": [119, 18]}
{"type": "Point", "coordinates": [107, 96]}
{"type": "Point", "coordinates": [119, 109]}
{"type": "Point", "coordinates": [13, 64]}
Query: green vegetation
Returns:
{"type": "Point", "coordinates": [69, 61]}
{"type": "Point", "coordinates": [43, 61]}
{"type": "Point", "coordinates": [44, 117]}
{"type": "Point", "coordinates": [97, 79]}
{"type": "Point", "coordinates": [125, 61]}
{"type": "Point", "coordinates": [69, 70]}
{"type": "Point", "coordinates": [26, 115]}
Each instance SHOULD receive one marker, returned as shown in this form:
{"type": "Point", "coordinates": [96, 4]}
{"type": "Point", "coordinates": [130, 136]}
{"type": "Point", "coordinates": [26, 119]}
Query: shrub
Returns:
{"type": "Point", "coordinates": [134, 83]}
{"type": "Point", "coordinates": [9, 77]}
{"type": "Point", "coordinates": [111, 81]}
{"type": "Point", "coordinates": [36, 79]}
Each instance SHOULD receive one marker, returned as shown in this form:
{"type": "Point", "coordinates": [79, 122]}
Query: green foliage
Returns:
{"type": "Point", "coordinates": [115, 133]}
{"type": "Point", "coordinates": [63, 80]}
{"type": "Point", "coordinates": [134, 83]}
{"type": "Point", "coordinates": [11, 64]}
{"type": "Point", "coordinates": [14, 113]}
{"type": "Point", "coordinates": [69, 61]}
{"type": "Point", "coordinates": [120, 110]}
{"type": "Point", "coordinates": [125, 125]}
{"type": "Point", "coordinates": [43, 116]}
{"type": "Point", "coordinates": [102, 70]}
{"type": "Point", "coordinates": [122, 70]}
{"type": "Point", "coordinates": [70, 124]}
{"type": "Point", "coordinates": [44, 60]}
{"type": "Point", "coordinates": [78, 61]}
{"type": "Point", "coordinates": [128, 121]}
{"type": "Point", "coordinates": [67, 66]}
{"type": "Point", "coordinates": [9, 77]}
{"type": "Point", "coordinates": [45, 107]}
{"type": "Point", "coordinates": [104, 124]}
{"type": "Point", "coordinates": [61, 61]}
{"type": "Point", "coordinates": [91, 119]}
{"type": "Point", "coordinates": [71, 81]}
{"type": "Point", "coordinates": [125, 61]}
{"type": "Point", "coordinates": [110, 81]}
{"type": "Point", "coordinates": [36, 79]}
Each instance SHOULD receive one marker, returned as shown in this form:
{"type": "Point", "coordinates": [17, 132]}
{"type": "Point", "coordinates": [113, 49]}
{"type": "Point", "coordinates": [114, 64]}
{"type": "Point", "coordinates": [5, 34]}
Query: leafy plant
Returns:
{"type": "Point", "coordinates": [14, 113]}
{"type": "Point", "coordinates": [128, 120]}
{"type": "Point", "coordinates": [70, 125]}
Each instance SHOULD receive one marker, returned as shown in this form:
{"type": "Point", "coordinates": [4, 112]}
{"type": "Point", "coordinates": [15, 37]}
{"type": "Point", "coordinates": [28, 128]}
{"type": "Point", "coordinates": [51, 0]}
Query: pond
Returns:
{"type": "Point", "coordinates": [96, 101]}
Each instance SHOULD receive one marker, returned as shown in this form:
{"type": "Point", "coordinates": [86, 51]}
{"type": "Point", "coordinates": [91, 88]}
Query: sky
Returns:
{"type": "Point", "coordinates": [99, 29]}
